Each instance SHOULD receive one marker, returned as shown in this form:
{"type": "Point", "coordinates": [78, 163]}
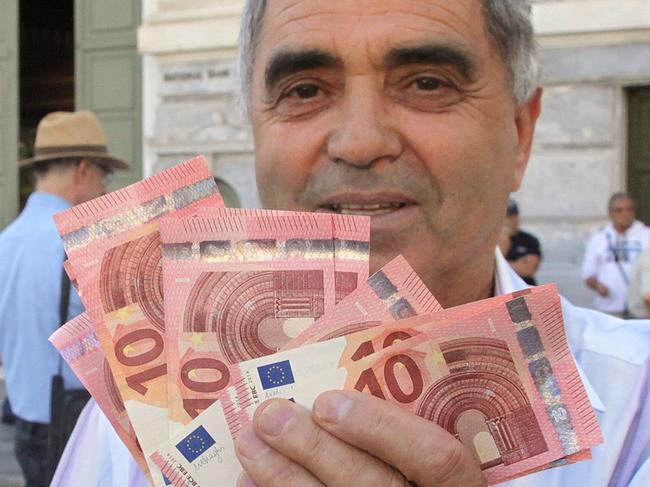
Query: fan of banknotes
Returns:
{"type": "Point", "coordinates": [196, 314]}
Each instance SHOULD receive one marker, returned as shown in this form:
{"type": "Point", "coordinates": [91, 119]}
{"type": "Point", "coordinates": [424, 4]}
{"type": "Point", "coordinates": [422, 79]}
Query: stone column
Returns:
{"type": "Point", "coordinates": [190, 48]}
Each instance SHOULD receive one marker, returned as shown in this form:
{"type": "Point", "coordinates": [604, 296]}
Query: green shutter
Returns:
{"type": "Point", "coordinates": [109, 76]}
{"type": "Point", "coordinates": [639, 150]}
{"type": "Point", "coordinates": [8, 111]}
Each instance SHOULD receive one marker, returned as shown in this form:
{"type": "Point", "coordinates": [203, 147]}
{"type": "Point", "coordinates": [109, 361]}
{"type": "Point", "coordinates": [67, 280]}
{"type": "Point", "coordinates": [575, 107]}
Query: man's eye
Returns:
{"type": "Point", "coordinates": [302, 98]}
{"type": "Point", "coordinates": [305, 92]}
{"type": "Point", "coordinates": [429, 84]}
{"type": "Point", "coordinates": [428, 92]}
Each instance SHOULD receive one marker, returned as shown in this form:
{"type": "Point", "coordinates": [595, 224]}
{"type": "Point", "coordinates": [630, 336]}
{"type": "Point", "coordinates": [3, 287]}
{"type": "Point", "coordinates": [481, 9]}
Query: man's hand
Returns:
{"type": "Point", "coordinates": [350, 439]}
{"type": "Point", "coordinates": [601, 289]}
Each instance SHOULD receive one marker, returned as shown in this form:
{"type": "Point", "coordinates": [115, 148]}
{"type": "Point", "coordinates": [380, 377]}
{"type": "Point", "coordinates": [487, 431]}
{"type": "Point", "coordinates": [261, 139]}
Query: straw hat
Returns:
{"type": "Point", "coordinates": [71, 134]}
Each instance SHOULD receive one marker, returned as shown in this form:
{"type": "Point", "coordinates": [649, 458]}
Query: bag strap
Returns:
{"type": "Point", "coordinates": [612, 249]}
{"type": "Point", "coordinates": [64, 306]}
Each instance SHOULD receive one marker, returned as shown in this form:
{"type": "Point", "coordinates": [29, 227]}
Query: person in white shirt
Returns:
{"type": "Point", "coordinates": [611, 253]}
{"type": "Point", "coordinates": [639, 292]}
{"type": "Point", "coordinates": [420, 114]}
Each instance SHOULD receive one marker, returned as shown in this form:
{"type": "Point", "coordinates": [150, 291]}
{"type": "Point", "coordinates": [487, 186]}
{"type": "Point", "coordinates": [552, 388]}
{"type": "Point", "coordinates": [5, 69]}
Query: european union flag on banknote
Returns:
{"type": "Point", "coordinates": [276, 375]}
{"type": "Point", "coordinates": [195, 444]}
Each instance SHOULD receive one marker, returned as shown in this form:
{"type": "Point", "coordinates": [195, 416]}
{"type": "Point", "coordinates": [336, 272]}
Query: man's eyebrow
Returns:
{"type": "Point", "coordinates": [433, 54]}
{"type": "Point", "coordinates": [286, 63]}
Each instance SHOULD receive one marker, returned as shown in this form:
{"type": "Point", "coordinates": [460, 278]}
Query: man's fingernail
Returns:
{"type": "Point", "coordinates": [245, 480]}
{"type": "Point", "coordinates": [249, 445]}
{"type": "Point", "coordinates": [332, 407]}
{"type": "Point", "coordinates": [275, 416]}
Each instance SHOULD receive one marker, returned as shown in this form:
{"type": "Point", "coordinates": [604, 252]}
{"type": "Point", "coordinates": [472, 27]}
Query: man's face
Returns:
{"type": "Point", "coordinates": [622, 213]}
{"type": "Point", "coordinates": [397, 109]}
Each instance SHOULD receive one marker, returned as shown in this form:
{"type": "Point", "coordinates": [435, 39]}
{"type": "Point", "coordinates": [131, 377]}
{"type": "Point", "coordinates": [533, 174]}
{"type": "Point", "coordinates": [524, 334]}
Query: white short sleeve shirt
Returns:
{"type": "Point", "coordinates": [640, 286]}
{"type": "Point", "coordinates": [609, 257]}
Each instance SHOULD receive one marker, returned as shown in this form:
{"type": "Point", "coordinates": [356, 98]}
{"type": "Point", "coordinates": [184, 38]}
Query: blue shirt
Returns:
{"type": "Point", "coordinates": [31, 263]}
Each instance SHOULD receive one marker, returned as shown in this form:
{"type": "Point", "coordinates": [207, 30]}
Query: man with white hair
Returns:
{"type": "Point", "coordinates": [420, 114]}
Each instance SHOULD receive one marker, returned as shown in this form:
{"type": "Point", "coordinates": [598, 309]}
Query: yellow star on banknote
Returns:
{"type": "Point", "coordinates": [192, 374]}
{"type": "Point", "coordinates": [123, 314]}
{"type": "Point", "coordinates": [197, 339]}
{"type": "Point", "coordinates": [437, 357]}
{"type": "Point", "coordinates": [128, 350]}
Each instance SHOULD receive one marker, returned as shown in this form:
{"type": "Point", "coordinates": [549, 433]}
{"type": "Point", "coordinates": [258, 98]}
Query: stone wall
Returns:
{"type": "Point", "coordinates": [190, 108]}
{"type": "Point", "coordinates": [197, 114]}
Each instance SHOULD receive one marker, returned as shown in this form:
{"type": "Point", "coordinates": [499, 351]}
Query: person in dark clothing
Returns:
{"type": "Point", "coordinates": [522, 250]}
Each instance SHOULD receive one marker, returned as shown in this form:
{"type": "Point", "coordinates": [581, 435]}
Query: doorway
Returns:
{"type": "Point", "coordinates": [46, 71]}
{"type": "Point", "coordinates": [638, 162]}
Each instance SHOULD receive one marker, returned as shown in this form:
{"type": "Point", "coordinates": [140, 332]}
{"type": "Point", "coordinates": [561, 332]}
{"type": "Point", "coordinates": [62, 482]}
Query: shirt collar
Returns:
{"type": "Point", "coordinates": [47, 201]}
{"type": "Point", "coordinates": [503, 276]}
{"type": "Point", "coordinates": [507, 281]}
{"type": "Point", "coordinates": [609, 228]}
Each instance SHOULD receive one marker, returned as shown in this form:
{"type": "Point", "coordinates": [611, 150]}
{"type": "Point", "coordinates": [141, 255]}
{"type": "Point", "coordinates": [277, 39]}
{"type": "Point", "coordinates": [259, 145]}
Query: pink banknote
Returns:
{"type": "Point", "coordinates": [310, 361]}
{"type": "Point", "coordinates": [393, 293]}
{"type": "Point", "coordinates": [79, 346]}
{"type": "Point", "coordinates": [241, 287]}
{"type": "Point", "coordinates": [314, 360]}
{"type": "Point", "coordinates": [502, 382]}
{"type": "Point", "coordinates": [114, 253]}
{"type": "Point", "coordinates": [350, 236]}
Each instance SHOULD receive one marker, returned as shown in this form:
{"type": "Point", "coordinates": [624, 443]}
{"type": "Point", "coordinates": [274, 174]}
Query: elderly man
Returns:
{"type": "Point", "coordinates": [71, 165]}
{"type": "Point", "coordinates": [611, 253]}
{"type": "Point", "coordinates": [420, 114]}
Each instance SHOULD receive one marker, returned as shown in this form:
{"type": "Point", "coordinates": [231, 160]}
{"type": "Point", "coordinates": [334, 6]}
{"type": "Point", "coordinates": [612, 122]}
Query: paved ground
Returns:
{"type": "Point", "coordinates": [10, 475]}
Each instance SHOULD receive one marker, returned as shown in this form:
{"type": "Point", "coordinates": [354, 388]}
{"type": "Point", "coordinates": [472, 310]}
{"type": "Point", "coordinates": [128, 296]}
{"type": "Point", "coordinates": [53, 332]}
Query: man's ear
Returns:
{"type": "Point", "coordinates": [526, 117]}
{"type": "Point", "coordinates": [81, 171]}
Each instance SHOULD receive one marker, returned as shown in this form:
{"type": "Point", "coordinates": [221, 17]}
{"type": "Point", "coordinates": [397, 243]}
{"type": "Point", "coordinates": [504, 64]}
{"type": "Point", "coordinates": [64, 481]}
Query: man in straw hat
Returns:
{"type": "Point", "coordinates": [71, 164]}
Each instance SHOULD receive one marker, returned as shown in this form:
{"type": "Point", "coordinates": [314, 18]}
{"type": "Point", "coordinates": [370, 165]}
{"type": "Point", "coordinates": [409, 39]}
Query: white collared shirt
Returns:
{"type": "Point", "coordinates": [612, 358]}
{"type": "Point", "coordinates": [609, 257]}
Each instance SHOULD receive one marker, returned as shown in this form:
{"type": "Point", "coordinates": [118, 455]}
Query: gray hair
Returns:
{"type": "Point", "coordinates": [508, 23]}
{"type": "Point", "coordinates": [619, 196]}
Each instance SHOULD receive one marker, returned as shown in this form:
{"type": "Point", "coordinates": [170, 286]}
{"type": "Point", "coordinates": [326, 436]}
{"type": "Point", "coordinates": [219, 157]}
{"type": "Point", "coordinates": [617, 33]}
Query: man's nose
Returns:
{"type": "Point", "coordinates": [364, 133]}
